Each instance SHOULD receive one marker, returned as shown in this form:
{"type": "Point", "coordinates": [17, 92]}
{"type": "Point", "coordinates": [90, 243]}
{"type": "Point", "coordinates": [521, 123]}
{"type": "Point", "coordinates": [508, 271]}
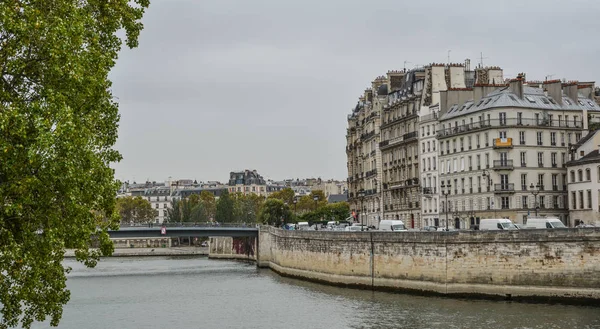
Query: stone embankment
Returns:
{"type": "Point", "coordinates": [527, 264]}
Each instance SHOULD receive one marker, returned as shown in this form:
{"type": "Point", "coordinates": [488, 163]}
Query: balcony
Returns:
{"type": "Point", "coordinates": [504, 188]}
{"type": "Point", "coordinates": [462, 129]}
{"type": "Point", "coordinates": [503, 165]}
{"type": "Point", "coordinates": [503, 143]}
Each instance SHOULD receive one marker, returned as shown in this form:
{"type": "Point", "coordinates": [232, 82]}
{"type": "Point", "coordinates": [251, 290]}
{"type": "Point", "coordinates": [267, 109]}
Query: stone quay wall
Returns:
{"type": "Point", "coordinates": [526, 264]}
{"type": "Point", "coordinates": [232, 248]}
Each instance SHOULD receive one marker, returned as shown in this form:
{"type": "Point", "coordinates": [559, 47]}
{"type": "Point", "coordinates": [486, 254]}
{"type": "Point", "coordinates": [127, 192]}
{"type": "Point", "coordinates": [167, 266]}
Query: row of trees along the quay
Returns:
{"type": "Point", "coordinates": [236, 207]}
{"type": "Point", "coordinates": [59, 123]}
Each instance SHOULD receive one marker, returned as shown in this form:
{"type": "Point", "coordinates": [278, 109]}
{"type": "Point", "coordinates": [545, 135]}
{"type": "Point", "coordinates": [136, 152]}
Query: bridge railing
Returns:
{"type": "Point", "coordinates": [187, 224]}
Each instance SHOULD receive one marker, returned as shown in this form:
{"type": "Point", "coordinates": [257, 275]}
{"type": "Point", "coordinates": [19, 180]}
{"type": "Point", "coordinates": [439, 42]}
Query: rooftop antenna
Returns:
{"type": "Point", "coordinates": [481, 58]}
{"type": "Point", "coordinates": [449, 55]}
{"type": "Point", "coordinates": [405, 65]}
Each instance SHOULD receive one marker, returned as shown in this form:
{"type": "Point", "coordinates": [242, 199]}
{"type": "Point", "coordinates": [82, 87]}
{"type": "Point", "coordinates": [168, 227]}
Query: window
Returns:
{"type": "Point", "coordinates": [479, 163]}
{"type": "Point", "coordinates": [487, 160]}
{"type": "Point", "coordinates": [589, 199]}
{"type": "Point", "coordinates": [462, 164]}
{"type": "Point", "coordinates": [588, 174]}
{"type": "Point", "coordinates": [524, 202]}
{"type": "Point", "coordinates": [469, 142]}
{"type": "Point", "coordinates": [553, 138]}
{"type": "Point", "coordinates": [523, 159]}
{"type": "Point", "coordinates": [541, 181]}
{"type": "Point", "coordinates": [580, 175]}
{"type": "Point", "coordinates": [539, 138]}
{"type": "Point", "coordinates": [581, 200]}
{"type": "Point", "coordinates": [530, 99]}
{"type": "Point", "coordinates": [542, 203]}
{"type": "Point", "coordinates": [522, 137]}
{"type": "Point", "coordinates": [502, 134]}
{"type": "Point", "coordinates": [573, 176]}
{"type": "Point", "coordinates": [555, 182]}
{"type": "Point", "coordinates": [562, 139]}
{"type": "Point", "coordinates": [455, 165]}
{"type": "Point", "coordinates": [434, 163]}
{"type": "Point", "coordinates": [505, 202]}
{"type": "Point", "coordinates": [477, 140]}
{"type": "Point", "coordinates": [540, 159]}
{"type": "Point", "coordinates": [524, 182]}
{"type": "Point", "coordinates": [470, 162]}
{"type": "Point", "coordinates": [573, 200]}
{"type": "Point", "coordinates": [502, 117]}
{"type": "Point", "coordinates": [485, 136]}
{"type": "Point", "coordinates": [553, 159]}
{"type": "Point", "coordinates": [519, 118]}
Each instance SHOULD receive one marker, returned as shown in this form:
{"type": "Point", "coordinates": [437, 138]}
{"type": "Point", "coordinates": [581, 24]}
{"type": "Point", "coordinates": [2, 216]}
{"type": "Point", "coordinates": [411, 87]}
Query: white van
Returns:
{"type": "Point", "coordinates": [303, 226]}
{"type": "Point", "coordinates": [544, 222]}
{"type": "Point", "coordinates": [392, 225]}
{"type": "Point", "coordinates": [496, 224]}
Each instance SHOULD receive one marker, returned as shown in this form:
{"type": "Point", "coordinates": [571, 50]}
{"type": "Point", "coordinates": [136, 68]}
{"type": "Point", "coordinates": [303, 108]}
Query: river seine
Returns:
{"type": "Point", "coordinates": [161, 292]}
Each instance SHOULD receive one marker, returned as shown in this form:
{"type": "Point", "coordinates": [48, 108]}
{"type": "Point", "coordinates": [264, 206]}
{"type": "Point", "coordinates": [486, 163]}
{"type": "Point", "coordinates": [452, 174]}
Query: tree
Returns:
{"type": "Point", "coordinates": [136, 210]}
{"type": "Point", "coordinates": [174, 212]}
{"type": "Point", "coordinates": [285, 195]}
{"type": "Point", "coordinates": [275, 212]}
{"type": "Point", "coordinates": [58, 122]}
{"type": "Point", "coordinates": [209, 203]}
{"type": "Point", "coordinates": [224, 212]}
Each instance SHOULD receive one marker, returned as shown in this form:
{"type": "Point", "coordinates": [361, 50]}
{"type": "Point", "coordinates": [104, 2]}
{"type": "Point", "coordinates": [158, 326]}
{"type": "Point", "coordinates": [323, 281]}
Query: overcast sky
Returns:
{"type": "Point", "coordinates": [217, 86]}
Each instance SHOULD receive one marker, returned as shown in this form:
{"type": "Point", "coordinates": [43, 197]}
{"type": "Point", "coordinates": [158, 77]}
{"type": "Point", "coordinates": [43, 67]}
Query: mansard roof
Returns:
{"type": "Point", "coordinates": [533, 98]}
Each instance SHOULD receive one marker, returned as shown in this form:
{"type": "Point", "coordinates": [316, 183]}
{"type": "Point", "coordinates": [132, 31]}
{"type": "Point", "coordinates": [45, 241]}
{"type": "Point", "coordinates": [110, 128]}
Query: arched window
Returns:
{"type": "Point", "coordinates": [588, 174]}
{"type": "Point", "coordinates": [580, 175]}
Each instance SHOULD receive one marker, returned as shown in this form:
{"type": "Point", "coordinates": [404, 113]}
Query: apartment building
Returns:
{"type": "Point", "coordinates": [400, 146]}
{"type": "Point", "coordinates": [246, 182]}
{"type": "Point", "coordinates": [503, 148]}
{"type": "Point", "coordinates": [364, 156]}
{"type": "Point", "coordinates": [584, 180]}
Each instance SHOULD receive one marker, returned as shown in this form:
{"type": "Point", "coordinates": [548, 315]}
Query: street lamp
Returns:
{"type": "Point", "coordinates": [487, 175]}
{"type": "Point", "coordinates": [535, 190]}
{"type": "Point", "coordinates": [361, 196]}
{"type": "Point", "coordinates": [445, 192]}
{"type": "Point", "coordinates": [295, 201]}
{"type": "Point", "coordinates": [316, 198]}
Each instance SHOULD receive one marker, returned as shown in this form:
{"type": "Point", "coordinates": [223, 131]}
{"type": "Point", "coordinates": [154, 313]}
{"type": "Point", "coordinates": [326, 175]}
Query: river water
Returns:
{"type": "Point", "coordinates": [161, 292]}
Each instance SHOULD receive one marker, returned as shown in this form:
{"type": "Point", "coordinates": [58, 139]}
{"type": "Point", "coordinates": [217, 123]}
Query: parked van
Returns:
{"type": "Point", "coordinates": [392, 225]}
{"type": "Point", "coordinates": [303, 226]}
{"type": "Point", "coordinates": [544, 222]}
{"type": "Point", "coordinates": [496, 224]}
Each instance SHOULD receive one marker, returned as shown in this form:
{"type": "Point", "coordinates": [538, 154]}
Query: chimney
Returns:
{"type": "Point", "coordinates": [516, 86]}
{"type": "Point", "coordinates": [570, 90]}
{"type": "Point", "coordinates": [554, 88]}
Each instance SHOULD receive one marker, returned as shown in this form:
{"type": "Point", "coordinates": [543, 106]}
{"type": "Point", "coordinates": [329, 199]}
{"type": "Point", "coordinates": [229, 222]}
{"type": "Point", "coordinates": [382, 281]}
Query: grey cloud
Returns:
{"type": "Point", "coordinates": [223, 85]}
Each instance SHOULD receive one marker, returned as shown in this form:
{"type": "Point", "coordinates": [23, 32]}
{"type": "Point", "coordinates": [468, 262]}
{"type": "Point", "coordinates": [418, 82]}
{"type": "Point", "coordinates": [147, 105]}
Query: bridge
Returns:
{"type": "Point", "coordinates": [189, 231]}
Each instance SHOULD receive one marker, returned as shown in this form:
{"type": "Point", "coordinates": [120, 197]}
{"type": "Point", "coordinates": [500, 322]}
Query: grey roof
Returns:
{"type": "Point", "coordinates": [382, 90]}
{"type": "Point", "coordinates": [585, 139]}
{"type": "Point", "coordinates": [532, 98]}
{"type": "Point", "coordinates": [333, 198]}
{"type": "Point", "coordinates": [592, 157]}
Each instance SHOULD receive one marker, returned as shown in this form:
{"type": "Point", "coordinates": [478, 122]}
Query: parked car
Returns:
{"type": "Point", "coordinates": [429, 228]}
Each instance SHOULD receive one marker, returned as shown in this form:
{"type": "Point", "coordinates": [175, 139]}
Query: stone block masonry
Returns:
{"type": "Point", "coordinates": [527, 264]}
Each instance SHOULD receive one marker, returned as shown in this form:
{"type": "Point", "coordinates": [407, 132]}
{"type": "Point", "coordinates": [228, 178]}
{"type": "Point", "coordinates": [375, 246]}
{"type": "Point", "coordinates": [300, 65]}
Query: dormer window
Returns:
{"type": "Point", "coordinates": [530, 99]}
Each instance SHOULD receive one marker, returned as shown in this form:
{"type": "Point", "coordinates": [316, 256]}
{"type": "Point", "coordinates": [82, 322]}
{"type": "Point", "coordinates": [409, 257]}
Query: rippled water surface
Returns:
{"type": "Point", "coordinates": [165, 292]}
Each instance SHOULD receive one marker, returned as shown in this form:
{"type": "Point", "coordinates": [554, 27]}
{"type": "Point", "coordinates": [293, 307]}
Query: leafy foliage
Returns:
{"type": "Point", "coordinates": [58, 125]}
{"type": "Point", "coordinates": [275, 212]}
{"type": "Point", "coordinates": [224, 211]}
{"type": "Point", "coordinates": [135, 210]}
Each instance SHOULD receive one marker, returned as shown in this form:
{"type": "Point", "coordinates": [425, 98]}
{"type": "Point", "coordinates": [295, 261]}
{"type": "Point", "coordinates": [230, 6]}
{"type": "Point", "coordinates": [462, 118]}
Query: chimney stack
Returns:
{"type": "Point", "coordinates": [554, 88]}
{"type": "Point", "coordinates": [570, 90]}
{"type": "Point", "coordinates": [516, 86]}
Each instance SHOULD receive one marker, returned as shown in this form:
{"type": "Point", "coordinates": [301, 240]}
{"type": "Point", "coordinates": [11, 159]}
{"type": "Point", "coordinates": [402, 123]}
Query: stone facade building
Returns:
{"type": "Point", "coordinates": [364, 156]}
{"type": "Point", "coordinates": [445, 141]}
{"type": "Point", "coordinates": [246, 182]}
{"type": "Point", "coordinates": [584, 180]}
{"type": "Point", "coordinates": [503, 153]}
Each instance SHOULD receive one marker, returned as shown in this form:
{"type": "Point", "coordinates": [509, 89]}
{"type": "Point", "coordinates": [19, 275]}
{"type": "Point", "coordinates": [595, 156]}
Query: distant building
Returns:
{"type": "Point", "coordinates": [246, 182]}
